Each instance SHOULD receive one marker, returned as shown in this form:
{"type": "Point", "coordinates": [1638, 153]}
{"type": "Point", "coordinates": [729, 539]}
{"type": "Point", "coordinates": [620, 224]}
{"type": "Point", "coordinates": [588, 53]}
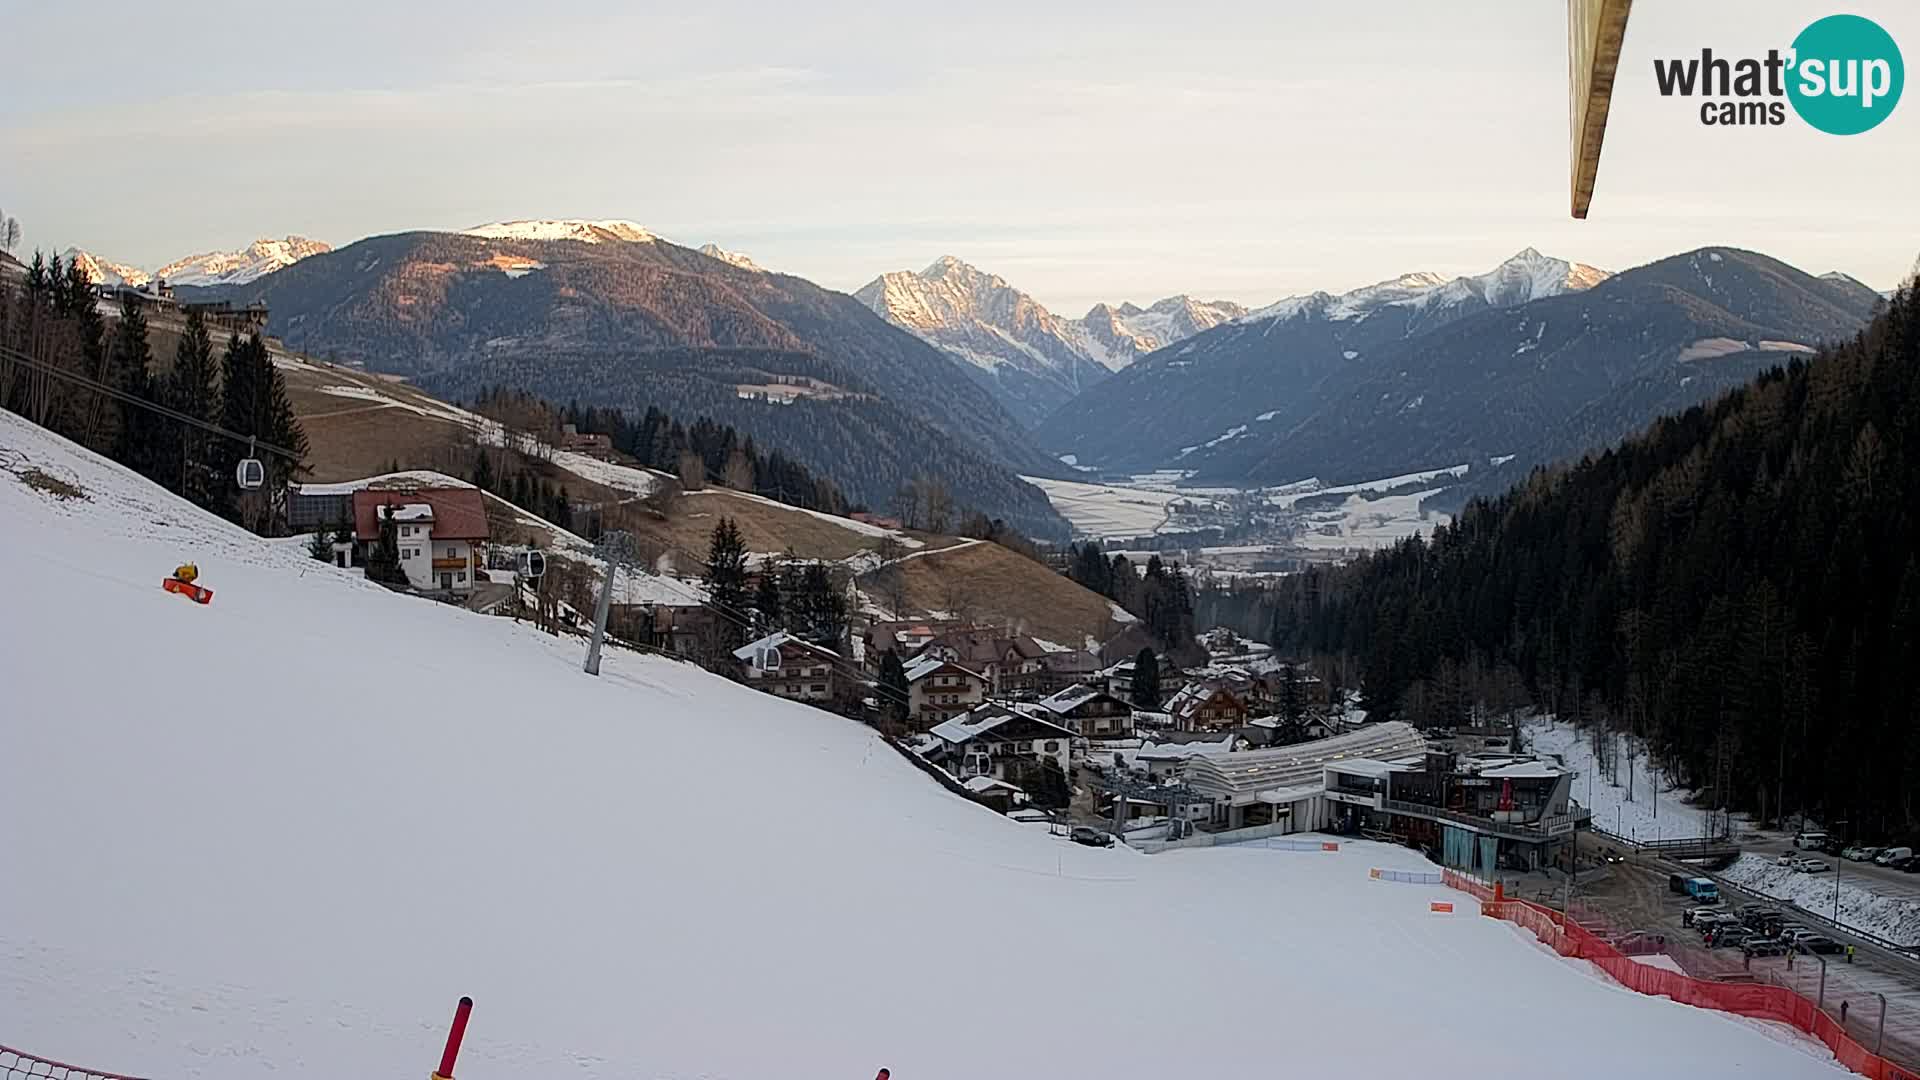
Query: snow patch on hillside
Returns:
{"type": "Point", "coordinates": [1893, 918]}
{"type": "Point", "coordinates": [1669, 815]}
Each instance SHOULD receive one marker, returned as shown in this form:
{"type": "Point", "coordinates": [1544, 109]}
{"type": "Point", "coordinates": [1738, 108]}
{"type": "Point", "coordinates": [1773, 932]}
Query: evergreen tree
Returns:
{"type": "Point", "coordinates": [136, 442]}
{"type": "Point", "coordinates": [766, 600]}
{"type": "Point", "coordinates": [383, 560]}
{"type": "Point", "coordinates": [1293, 698]}
{"type": "Point", "coordinates": [726, 581]}
{"type": "Point", "coordinates": [1146, 681]}
{"type": "Point", "coordinates": [483, 470]}
{"type": "Point", "coordinates": [192, 390]}
{"type": "Point", "coordinates": [893, 687]}
{"type": "Point", "coordinates": [824, 606]}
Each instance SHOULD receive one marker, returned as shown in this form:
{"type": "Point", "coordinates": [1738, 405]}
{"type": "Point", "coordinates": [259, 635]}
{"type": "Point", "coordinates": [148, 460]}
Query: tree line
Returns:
{"type": "Point", "coordinates": [53, 320]}
{"type": "Point", "coordinates": [1738, 586]}
{"type": "Point", "coordinates": [1161, 597]}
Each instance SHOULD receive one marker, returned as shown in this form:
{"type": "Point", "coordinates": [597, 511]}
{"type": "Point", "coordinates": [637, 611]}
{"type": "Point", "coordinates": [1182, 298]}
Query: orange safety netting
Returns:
{"type": "Point", "coordinates": [1763, 1002]}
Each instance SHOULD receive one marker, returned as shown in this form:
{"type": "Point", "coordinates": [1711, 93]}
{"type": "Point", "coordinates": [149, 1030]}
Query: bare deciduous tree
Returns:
{"type": "Point", "coordinates": [693, 471]}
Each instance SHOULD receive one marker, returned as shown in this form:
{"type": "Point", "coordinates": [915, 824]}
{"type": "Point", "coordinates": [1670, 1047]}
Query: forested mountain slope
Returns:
{"type": "Point", "coordinates": [634, 323]}
{"type": "Point", "coordinates": [1738, 584]}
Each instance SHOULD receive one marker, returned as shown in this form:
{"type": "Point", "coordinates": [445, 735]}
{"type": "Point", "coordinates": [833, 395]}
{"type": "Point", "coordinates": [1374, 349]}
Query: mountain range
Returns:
{"type": "Point", "coordinates": [1033, 360]}
{"type": "Point", "coordinates": [607, 313]}
{"type": "Point", "coordinates": [1538, 359]}
{"type": "Point", "coordinates": [952, 372]}
{"type": "Point", "coordinates": [256, 260]}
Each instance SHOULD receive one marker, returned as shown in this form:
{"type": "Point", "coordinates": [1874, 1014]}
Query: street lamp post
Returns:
{"type": "Point", "coordinates": [1880, 1039]}
{"type": "Point", "coordinates": [1836, 879]}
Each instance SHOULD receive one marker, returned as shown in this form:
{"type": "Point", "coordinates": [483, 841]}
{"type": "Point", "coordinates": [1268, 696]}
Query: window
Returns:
{"type": "Point", "coordinates": [819, 688]}
{"type": "Point", "coordinates": [460, 575]}
{"type": "Point", "coordinates": [451, 555]}
{"type": "Point", "coordinates": [406, 530]}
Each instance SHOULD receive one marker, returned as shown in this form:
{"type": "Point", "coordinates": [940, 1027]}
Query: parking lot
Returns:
{"type": "Point", "coordinates": [1634, 895]}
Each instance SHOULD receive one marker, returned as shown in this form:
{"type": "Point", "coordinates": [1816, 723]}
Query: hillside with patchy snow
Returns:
{"type": "Point", "coordinates": [280, 834]}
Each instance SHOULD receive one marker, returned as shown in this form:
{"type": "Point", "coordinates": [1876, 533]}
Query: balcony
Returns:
{"type": "Point", "coordinates": [1550, 826]}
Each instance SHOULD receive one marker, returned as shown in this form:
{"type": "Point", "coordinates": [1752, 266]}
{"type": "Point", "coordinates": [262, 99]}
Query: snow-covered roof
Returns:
{"type": "Point", "coordinates": [1073, 696]}
{"type": "Point", "coordinates": [1240, 777]}
{"type": "Point", "coordinates": [775, 640]}
{"type": "Point", "coordinates": [1183, 751]}
{"type": "Point", "coordinates": [1525, 770]}
{"type": "Point", "coordinates": [981, 784]}
{"type": "Point", "coordinates": [1363, 767]}
{"type": "Point", "coordinates": [927, 665]}
{"type": "Point", "coordinates": [408, 478]}
{"type": "Point", "coordinates": [411, 512]}
{"type": "Point", "coordinates": [986, 718]}
{"type": "Point", "coordinates": [1283, 796]}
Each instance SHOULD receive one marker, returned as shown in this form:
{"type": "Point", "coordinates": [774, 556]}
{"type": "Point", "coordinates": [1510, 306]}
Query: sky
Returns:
{"type": "Point", "coordinates": [1085, 152]}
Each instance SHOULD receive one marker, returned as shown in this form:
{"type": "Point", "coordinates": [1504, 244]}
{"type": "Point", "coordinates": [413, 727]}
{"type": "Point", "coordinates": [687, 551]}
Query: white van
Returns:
{"type": "Point", "coordinates": [1807, 840]}
{"type": "Point", "coordinates": [1890, 854]}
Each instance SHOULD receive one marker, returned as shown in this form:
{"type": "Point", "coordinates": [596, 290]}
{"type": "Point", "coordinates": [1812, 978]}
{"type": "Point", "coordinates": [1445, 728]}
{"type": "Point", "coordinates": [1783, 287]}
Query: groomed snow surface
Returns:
{"type": "Point", "coordinates": [279, 835]}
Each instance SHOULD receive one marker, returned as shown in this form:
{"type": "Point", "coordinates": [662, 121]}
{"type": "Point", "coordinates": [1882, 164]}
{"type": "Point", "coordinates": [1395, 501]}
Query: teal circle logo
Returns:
{"type": "Point", "coordinates": [1847, 74]}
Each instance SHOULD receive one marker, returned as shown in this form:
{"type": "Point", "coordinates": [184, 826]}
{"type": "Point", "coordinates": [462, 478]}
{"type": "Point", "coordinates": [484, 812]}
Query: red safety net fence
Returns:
{"type": "Point", "coordinates": [1761, 1001]}
{"type": "Point", "coordinates": [20, 1065]}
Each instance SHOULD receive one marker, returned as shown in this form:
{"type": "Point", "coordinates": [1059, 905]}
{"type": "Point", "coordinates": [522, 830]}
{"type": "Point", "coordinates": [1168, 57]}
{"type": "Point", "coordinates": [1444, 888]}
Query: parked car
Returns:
{"type": "Point", "coordinates": [1092, 837]}
{"type": "Point", "coordinates": [1819, 944]}
{"type": "Point", "coordinates": [1702, 915]}
{"type": "Point", "coordinates": [1677, 883]}
{"type": "Point", "coordinates": [1908, 865]}
{"type": "Point", "coordinates": [1853, 854]}
{"type": "Point", "coordinates": [1786, 858]}
{"type": "Point", "coordinates": [1868, 854]}
{"type": "Point", "coordinates": [1812, 866]}
{"type": "Point", "coordinates": [1764, 946]}
{"type": "Point", "coordinates": [1807, 840]}
{"type": "Point", "coordinates": [1893, 854]}
{"type": "Point", "coordinates": [1722, 937]}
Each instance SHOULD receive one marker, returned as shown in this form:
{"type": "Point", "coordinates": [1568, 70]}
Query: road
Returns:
{"type": "Point", "coordinates": [1878, 878]}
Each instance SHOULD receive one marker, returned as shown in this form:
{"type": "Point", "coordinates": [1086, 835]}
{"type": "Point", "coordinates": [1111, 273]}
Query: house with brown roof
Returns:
{"type": "Point", "coordinates": [938, 690]}
{"type": "Point", "coordinates": [1208, 704]}
{"type": "Point", "coordinates": [441, 532]}
{"type": "Point", "coordinates": [1011, 663]}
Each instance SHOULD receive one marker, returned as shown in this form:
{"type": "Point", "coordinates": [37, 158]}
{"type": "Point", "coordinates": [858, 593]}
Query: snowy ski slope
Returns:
{"type": "Point", "coordinates": [279, 835]}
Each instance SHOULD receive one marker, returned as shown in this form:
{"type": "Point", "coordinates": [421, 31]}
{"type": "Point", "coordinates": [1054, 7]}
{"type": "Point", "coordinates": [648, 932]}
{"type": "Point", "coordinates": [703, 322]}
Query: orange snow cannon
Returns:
{"type": "Point", "coordinates": [182, 582]}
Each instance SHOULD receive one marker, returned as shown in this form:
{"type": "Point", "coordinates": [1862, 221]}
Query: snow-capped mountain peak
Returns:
{"type": "Point", "coordinates": [731, 258]}
{"type": "Point", "coordinates": [587, 232]}
{"type": "Point", "coordinates": [1036, 359]}
{"type": "Point", "coordinates": [257, 259]}
{"type": "Point", "coordinates": [103, 272]}
{"type": "Point", "coordinates": [260, 258]}
{"type": "Point", "coordinates": [1117, 336]}
{"type": "Point", "coordinates": [1526, 276]}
